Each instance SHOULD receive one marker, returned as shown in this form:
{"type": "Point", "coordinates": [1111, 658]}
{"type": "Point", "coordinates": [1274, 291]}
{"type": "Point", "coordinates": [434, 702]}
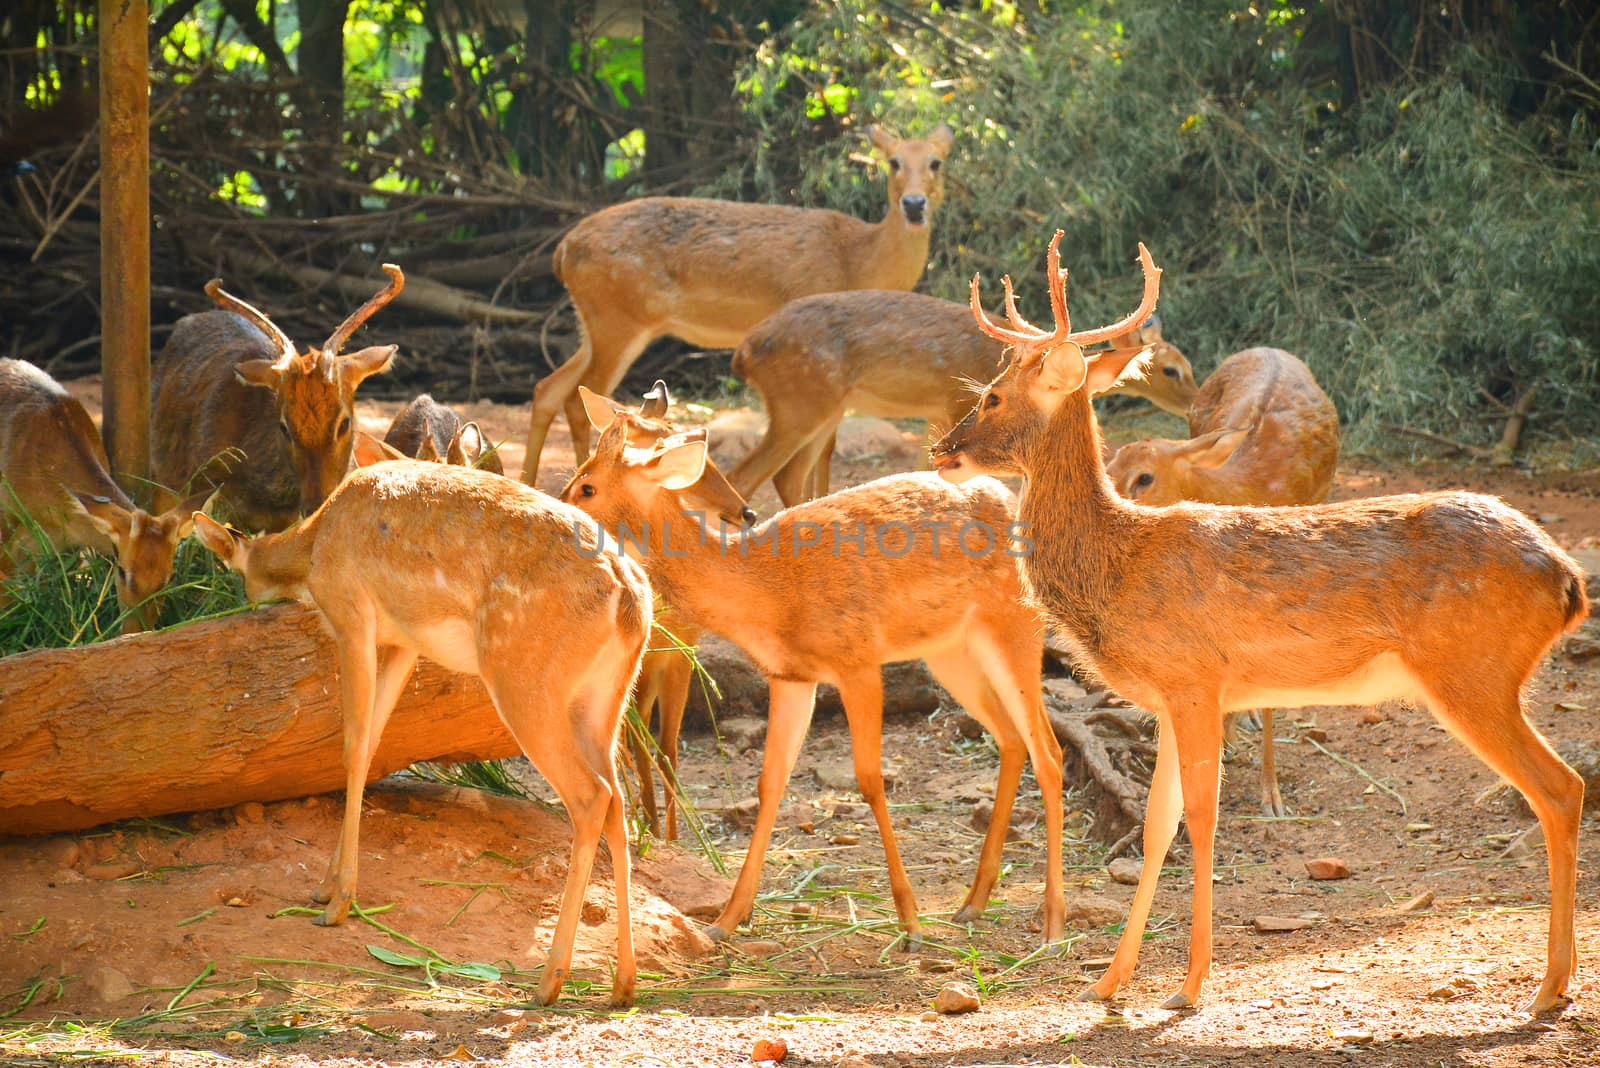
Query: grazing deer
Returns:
{"type": "Point", "coordinates": [53, 468]}
{"type": "Point", "coordinates": [708, 270]}
{"type": "Point", "coordinates": [229, 384]}
{"type": "Point", "coordinates": [1196, 610]}
{"type": "Point", "coordinates": [667, 672]}
{"type": "Point", "coordinates": [883, 353]}
{"type": "Point", "coordinates": [428, 430]}
{"type": "Point", "coordinates": [829, 592]}
{"type": "Point", "coordinates": [1261, 431]}
{"type": "Point", "coordinates": [487, 577]}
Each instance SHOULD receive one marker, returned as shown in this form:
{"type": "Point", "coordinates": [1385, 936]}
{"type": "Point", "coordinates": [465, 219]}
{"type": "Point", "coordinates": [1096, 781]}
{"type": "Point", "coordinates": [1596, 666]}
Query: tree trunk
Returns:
{"type": "Point", "coordinates": [320, 58]}
{"type": "Point", "coordinates": [213, 714]}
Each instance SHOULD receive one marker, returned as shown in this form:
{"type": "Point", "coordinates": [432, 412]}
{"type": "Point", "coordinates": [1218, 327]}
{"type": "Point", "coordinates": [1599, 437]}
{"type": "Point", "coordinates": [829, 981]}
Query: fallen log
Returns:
{"type": "Point", "coordinates": [204, 716]}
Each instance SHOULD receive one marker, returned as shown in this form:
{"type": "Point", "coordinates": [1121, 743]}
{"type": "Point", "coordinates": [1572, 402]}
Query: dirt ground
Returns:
{"type": "Point", "coordinates": [168, 943]}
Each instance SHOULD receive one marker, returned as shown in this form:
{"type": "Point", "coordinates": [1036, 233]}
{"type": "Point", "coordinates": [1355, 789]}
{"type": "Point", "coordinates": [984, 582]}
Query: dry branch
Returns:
{"type": "Point", "coordinates": [238, 709]}
{"type": "Point", "coordinates": [1108, 761]}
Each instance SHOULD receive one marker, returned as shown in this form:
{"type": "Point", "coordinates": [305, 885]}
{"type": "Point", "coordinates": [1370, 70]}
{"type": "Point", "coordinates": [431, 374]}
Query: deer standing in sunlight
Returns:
{"type": "Point", "coordinates": [1261, 431]}
{"type": "Point", "coordinates": [233, 400]}
{"type": "Point", "coordinates": [1196, 610]}
{"type": "Point", "coordinates": [488, 577]}
{"type": "Point", "coordinates": [54, 471]}
{"type": "Point", "coordinates": [883, 353]}
{"type": "Point", "coordinates": [829, 592]}
{"type": "Point", "coordinates": [706, 271]}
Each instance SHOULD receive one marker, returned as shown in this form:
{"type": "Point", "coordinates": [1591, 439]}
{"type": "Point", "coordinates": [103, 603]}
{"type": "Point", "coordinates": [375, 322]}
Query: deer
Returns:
{"type": "Point", "coordinates": [54, 475]}
{"type": "Point", "coordinates": [487, 577]}
{"type": "Point", "coordinates": [1261, 431]}
{"type": "Point", "coordinates": [707, 270]}
{"type": "Point", "coordinates": [1191, 610]}
{"type": "Point", "coordinates": [272, 428]}
{"type": "Point", "coordinates": [667, 672]}
{"type": "Point", "coordinates": [829, 591]}
{"type": "Point", "coordinates": [428, 430]}
{"type": "Point", "coordinates": [883, 353]}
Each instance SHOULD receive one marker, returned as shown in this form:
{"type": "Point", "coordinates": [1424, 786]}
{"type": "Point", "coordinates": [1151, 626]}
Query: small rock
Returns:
{"type": "Point", "coordinates": [930, 1017]}
{"type": "Point", "coordinates": [841, 775]}
{"type": "Point", "coordinates": [1581, 647]}
{"type": "Point", "coordinates": [1064, 688]}
{"type": "Point", "coordinates": [592, 912]}
{"type": "Point", "coordinates": [1088, 912]}
{"type": "Point", "coordinates": [1443, 993]}
{"type": "Point", "coordinates": [969, 728]}
{"type": "Point", "coordinates": [1096, 964]}
{"type": "Point", "coordinates": [740, 733]}
{"type": "Point", "coordinates": [1314, 734]}
{"type": "Point", "coordinates": [250, 812]}
{"type": "Point", "coordinates": [1550, 517]}
{"type": "Point", "coordinates": [1125, 870]}
{"type": "Point", "coordinates": [1277, 924]}
{"type": "Point", "coordinates": [395, 1022]}
{"type": "Point", "coordinates": [112, 870]}
{"type": "Point", "coordinates": [855, 1060]}
{"type": "Point", "coordinates": [845, 839]}
{"type": "Point", "coordinates": [1328, 868]}
{"type": "Point", "coordinates": [1352, 1036]}
{"type": "Point", "coordinates": [982, 813]}
{"type": "Point", "coordinates": [770, 1049]}
{"type": "Point", "coordinates": [852, 810]}
{"type": "Point", "coordinates": [107, 984]}
{"type": "Point", "coordinates": [1375, 714]}
{"type": "Point", "coordinates": [61, 852]}
{"type": "Point", "coordinates": [743, 813]}
{"type": "Point", "coordinates": [760, 949]}
{"type": "Point", "coordinates": [234, 1037]}
{"type": "Point", "coordinates": [1417, 904]}
{"type": "Point", "coordinates": [936, 964]}
{"type": "Point", "coordinates": [954, 998]}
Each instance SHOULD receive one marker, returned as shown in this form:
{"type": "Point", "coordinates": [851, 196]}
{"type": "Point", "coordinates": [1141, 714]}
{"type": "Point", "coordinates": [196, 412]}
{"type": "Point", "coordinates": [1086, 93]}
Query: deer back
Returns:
{"type": "Point", "coordinates": [883, 352]}
{"type": "Point", "coordinates": [54, 462]}
{"type": "Point", "coordinates": [1262, 432]}
{"type": "Point", "coordinates": [428, 430]}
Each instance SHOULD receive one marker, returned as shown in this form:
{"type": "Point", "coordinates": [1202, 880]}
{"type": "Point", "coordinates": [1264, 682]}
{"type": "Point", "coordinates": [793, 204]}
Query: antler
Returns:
{"type": "Point", "coordinates": [336, 341]}
{"type": "Point", "coordinates": [1152, 288]}
{"type": "Point", "coordinates": [232, 303]}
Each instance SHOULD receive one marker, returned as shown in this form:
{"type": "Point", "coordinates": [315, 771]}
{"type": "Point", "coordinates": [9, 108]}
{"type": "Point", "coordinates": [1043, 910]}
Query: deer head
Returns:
{"type": "Point", "coordinates": [1045, 368]}
{"type": "Point", "coordinates": [315, 389]}
{"type": "Point", "coordinates": [145, 544]}
{"type": "Point", "coordinates": [916, 170]}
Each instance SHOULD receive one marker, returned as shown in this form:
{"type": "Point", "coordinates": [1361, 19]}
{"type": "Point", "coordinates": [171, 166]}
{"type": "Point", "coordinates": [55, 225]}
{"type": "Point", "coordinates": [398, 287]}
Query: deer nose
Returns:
{"type": "Point", "coordinates": [915, 205]}
{"type": "Point", "coordinates": [748, 515]}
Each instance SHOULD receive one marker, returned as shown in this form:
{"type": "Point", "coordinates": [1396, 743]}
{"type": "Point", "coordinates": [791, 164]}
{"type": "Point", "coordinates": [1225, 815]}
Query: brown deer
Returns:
{"type": "Point", "coordinates": [883, 353]}
{"type": "Point", "coordinates": [829, 592]}
{"type": "Point", "coordinates": [1261, 431]}
{"type": "Point", "coordinates": [1197, 610]}
{"type": "Point", "coordinates": [273, 428]}
{"type": "Point", "coordinates": [428, 430]}
{"type": "Point", "coordinates": [665, 676]}
{"type": "Point", "coordinates": [487, 577]}
{"type": "Point", "coordinates": [708, 270]}
{"type": "Point", "coordinates": [54, 471]}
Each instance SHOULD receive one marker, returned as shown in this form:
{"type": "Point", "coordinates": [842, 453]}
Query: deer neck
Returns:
{"type": "Point", "coordinates": [893, 253]}
{"type": "Point", "coordinates": [699, 568]}
{"type": "Point", "coordinates": [1080, 528]}
{"type": "Point", "coordinates": [283, 560]}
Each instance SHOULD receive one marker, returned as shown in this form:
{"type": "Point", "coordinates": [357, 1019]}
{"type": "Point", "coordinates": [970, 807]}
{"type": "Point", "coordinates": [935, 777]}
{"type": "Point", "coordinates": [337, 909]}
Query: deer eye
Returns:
{"type": "Point", "coordinates": [991, 401]}
{"type": "Point", "coordinates": [122, 574]}
{"type": "Point", "coordinates": [1144, 481]}
{"type": "Point", "coordinates": [283, 427]}
{"type": "Point", "coordinates": [344, 427]}
{"type": "Point", "coordinates": [934, 165]}
{"type": "Point", "coordinates": [1170, 372]}
{"type": "Point", "coordinates": [586, 490]}
{"type": "Point", "coordinates": [894, 165]}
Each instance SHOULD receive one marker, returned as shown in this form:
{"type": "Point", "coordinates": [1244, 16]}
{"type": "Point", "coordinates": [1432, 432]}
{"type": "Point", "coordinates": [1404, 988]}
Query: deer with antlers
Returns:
{"type": "Point", "coordinates": [487, 577]}
{"type": "Point", "coordinates": [1197, 610]}
{"type": "Point", "coordinates": [270, 426]}
{"type": "Point", "coordinates": [883, 353]}
{"type": "Point", "coordinates": [708, 270]}
{"type": "Point", "coordinates": [54, 474]}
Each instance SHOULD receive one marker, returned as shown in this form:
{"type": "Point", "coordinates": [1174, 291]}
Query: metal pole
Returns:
{"type": "Point", "coordinates": [125, 239]}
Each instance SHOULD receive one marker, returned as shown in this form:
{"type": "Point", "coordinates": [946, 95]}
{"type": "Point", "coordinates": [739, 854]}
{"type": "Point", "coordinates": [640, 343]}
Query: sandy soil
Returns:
{"type": "Point", "coordinates": [118, 922]}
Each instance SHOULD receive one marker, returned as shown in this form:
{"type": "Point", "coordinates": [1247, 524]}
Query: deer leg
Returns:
{"type": "Point", "coordinates": [1498, 731]}
{"type": "Point", "coordinates": [863, 708]}
{"type": "Point", "coordinates": [645, 699]}
{"type": "Point", "coordinates": [357, 657]}
{"type": "Point", "coordinates": [1014, 675]}
{"type": "Point", "coordinates": [822, 463]}
{"type": "Point", "coordinates": [674, 699]}
{"type": "Point", "coordinates": [1198, 734]}
{"type": "Point", "coordinates": [1271, 797]}
{"type": "Point", "coordinates": [788, 719]}
{"type": "Point", "coordinates": [963, 678]}
{"type": "Point", "coordinates": [1163, 808]}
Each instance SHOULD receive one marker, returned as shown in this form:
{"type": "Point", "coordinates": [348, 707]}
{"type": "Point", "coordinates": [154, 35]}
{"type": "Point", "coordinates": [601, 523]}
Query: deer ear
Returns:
{"type": "Point", "coordinates": [1215, 449]}
{"type": "Point", "coordinates": [466, 447]}
{"type": "Point", "coordinates": [943, 138]}
{"type": "Point", "coordinates": [882, 139]}
{"type": "Point", "coordinates": [110, 518]}
{"type": "Point", "coordinates": [218, 538]}
{"type": "Point", "coordinates": [678, 466]}
{"type": "Point", "coordinates": [368, 450]}
{"type": "Point", "coordinates": [358, 366]}
{"type": "Point", "coordinates": [264, 373]}
{"type": "Point", "coordinates": [427, 450]}
{"type": "Point", "coordinates": [602, 411]}
{"type": "Point", "coordinates": [1062, 369]}
{"type": "Point", "coordinates": [657, 401]}
{"type": "Point", "coordinates": [1108, 370]}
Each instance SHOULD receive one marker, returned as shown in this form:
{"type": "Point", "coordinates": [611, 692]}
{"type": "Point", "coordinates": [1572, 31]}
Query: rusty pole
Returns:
{"type": "Point", "coordinates": [125, 239]}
